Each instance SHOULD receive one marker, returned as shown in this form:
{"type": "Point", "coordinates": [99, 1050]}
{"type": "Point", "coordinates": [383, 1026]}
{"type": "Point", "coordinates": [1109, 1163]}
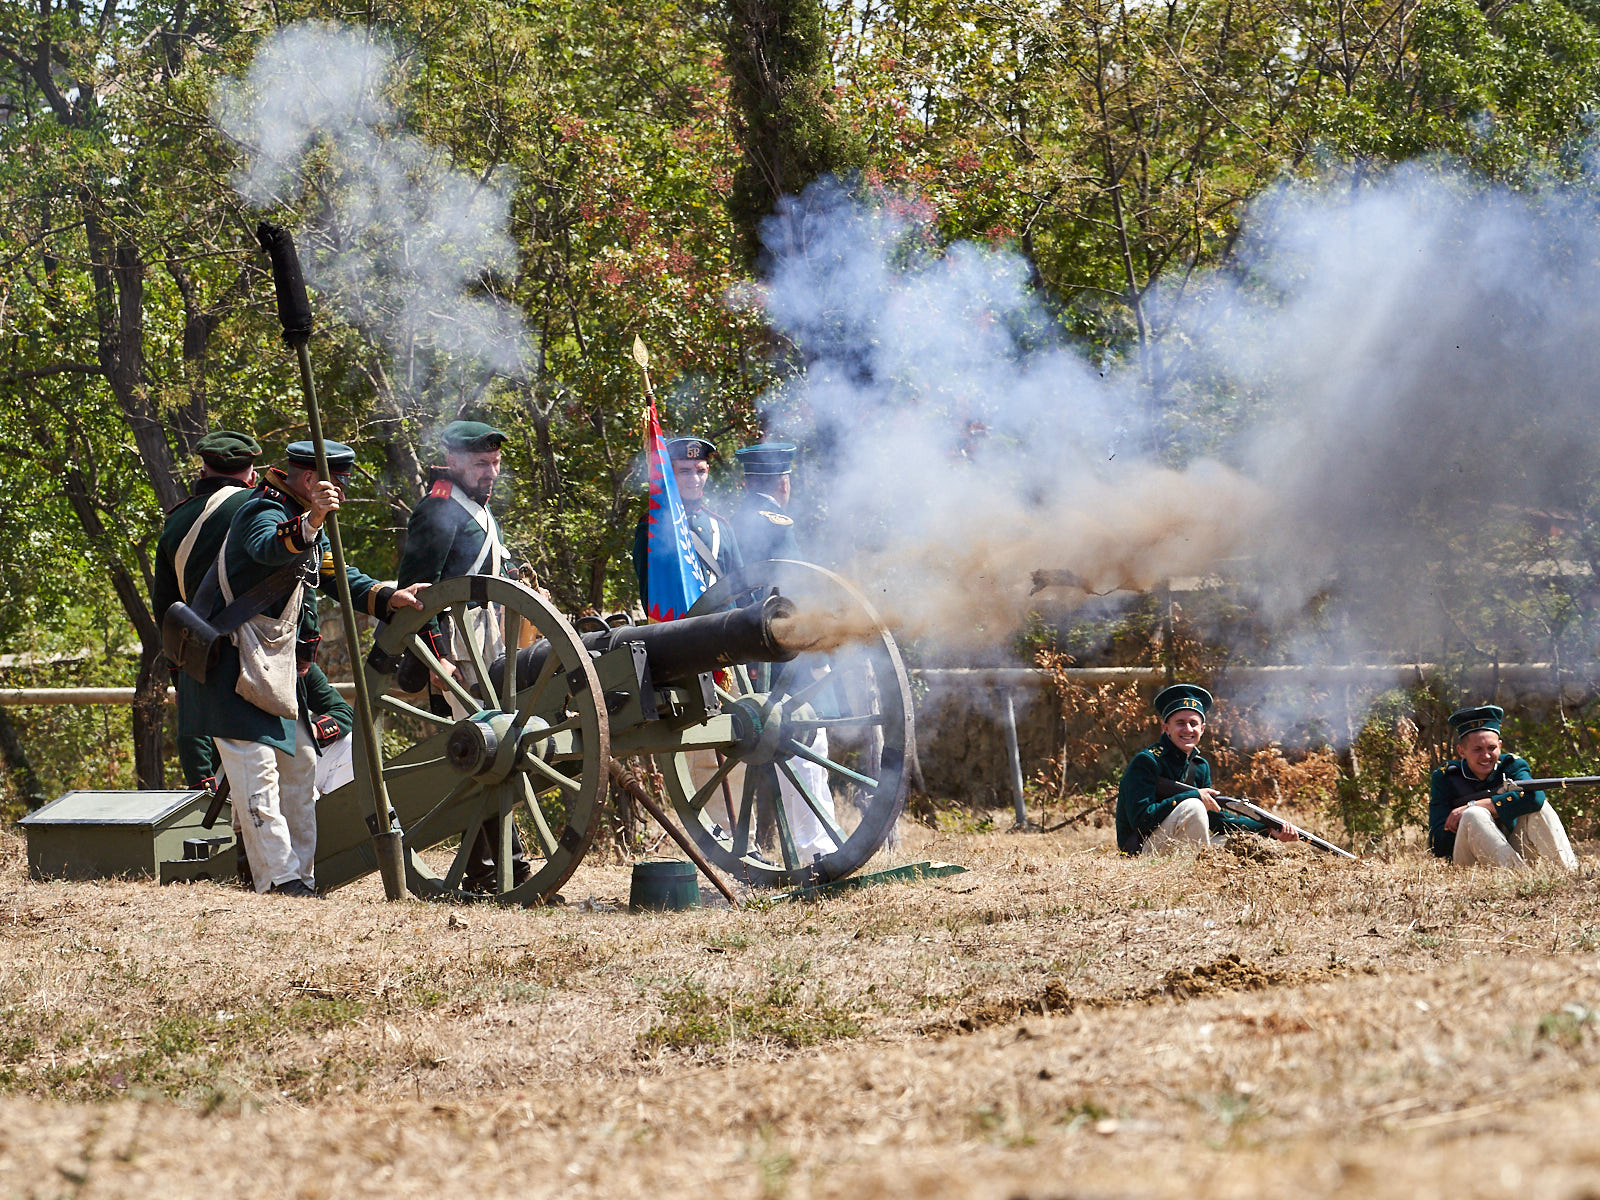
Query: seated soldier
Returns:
{"type": "Point", "coordinates": [1165, 799]}
{"type": "Point", "coordinates": [1506, 826]}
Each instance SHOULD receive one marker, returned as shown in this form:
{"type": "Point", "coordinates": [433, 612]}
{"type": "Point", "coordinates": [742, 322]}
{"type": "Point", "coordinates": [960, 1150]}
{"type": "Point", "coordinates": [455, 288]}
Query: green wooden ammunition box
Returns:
{"type": "Point", "coordinates": [95, 835]}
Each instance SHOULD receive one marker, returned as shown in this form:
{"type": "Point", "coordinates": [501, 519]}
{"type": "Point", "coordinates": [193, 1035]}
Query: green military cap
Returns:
{"type": "Point", "coordinates": [471, 435]}
{"type": "Point", "coordinates": [1470, 720]}
{"type": "Point", "coordinates": [767, 458]}
{"type": "Point", "coordinates": [691, 449]}
{"type": "Point", "coordinates": [1180, 696]}
{"type": "Point", "coordinates": [341, 459]}
{"type": "Point", "coordinates": [227, 449]}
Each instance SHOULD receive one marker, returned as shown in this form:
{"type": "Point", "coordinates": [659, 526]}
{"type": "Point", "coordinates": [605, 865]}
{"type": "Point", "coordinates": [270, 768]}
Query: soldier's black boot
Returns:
{"type": "Point", "coordinates": [241, 867]}
{"type": "Point", "coordinates": [478, 878]}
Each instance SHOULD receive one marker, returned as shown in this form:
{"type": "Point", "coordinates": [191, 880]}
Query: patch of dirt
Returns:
{"type": "Point", "coordinates": [1230, 973]}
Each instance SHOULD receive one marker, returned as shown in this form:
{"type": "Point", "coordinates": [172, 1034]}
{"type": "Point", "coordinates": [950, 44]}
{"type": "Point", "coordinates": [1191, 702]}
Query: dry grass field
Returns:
{"type": "Point", "coordinates": [1055, 1023]}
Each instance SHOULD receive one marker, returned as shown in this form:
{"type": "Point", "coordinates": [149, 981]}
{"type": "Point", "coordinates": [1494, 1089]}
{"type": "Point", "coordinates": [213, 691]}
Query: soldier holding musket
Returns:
{"type": "Point", "coordinates": [1165, 799]}
{"type": "Point", "coordinates": [1477, 814]}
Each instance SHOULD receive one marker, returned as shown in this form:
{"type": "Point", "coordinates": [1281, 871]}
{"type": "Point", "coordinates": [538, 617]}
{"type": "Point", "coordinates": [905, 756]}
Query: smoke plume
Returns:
{"type": "Point", "coordinates": [406, 247]}
{"type": "Point", "coordinates": [1346, 423]}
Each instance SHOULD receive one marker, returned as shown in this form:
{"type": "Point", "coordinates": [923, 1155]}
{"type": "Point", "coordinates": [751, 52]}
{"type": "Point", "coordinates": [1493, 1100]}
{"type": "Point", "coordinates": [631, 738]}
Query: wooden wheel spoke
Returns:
{"type": "Point", "coordinates": [725, 696]}
{"type": "Point", "coordinates": [562, 726]}
{"type": "Point", "coordinates": [822, 760]}
{"type": "Point", "coordinates": [397, 705]}
{"type": "Point", "coordinates": [741, 821]}
{"type": "Point", "coordinates": [503, 860]}
{"type": "Point", "coordinates": [422, 650]}
{"type": "Point", "coordinates": [552, 776]}
{"type": "Point", "coordinates": [480, 669]}
{"type": "Point", "coordinates": [408, 768]}
{"type": "Point", "coordinates": [866, 719]}
{"type": "Point", "coordinates": [536, 691]}
{"type": "Point", "coordinates": [469, 835]}
{"type": "Point", "coordinates": [418, 828]}
{"type": "Point", "coordinates": [805, 694]}
{"type": "Point", "coordinates": [812, 803]}
{"type": "Point", "coordinates": [791, 853]}
{"type": "Point", "coordinates": [512, 630]}
{"type": "Point", "coordinates": [540, 824]}
{"type": "Point", "coordinates": [703, 797]}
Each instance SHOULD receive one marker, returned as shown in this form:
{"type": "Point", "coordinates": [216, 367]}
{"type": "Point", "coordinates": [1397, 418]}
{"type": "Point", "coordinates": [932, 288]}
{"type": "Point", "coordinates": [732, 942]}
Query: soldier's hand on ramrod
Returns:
{"type": "Point", "coordinates": [323, 499]}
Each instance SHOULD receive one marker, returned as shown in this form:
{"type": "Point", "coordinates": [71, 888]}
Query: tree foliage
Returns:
{"type": "Point", "coordinates": [1113, 143]}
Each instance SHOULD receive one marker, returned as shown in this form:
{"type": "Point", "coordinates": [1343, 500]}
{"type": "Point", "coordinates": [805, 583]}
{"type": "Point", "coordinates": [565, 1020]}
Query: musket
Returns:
{"type": "Point", "coordinates": [1533, 785]}
{"type": "Point", "coordinates": [1167, 788]}
{"type": "Point", "coordinates": [1246, 809]}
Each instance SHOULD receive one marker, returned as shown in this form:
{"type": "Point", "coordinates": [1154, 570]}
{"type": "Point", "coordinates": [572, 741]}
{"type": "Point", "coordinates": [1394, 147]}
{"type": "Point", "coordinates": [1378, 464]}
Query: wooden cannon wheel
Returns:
{"type": "Point", "coordinates": [536, 755]}
{"type": "Point", "coordinates": [781, 780]}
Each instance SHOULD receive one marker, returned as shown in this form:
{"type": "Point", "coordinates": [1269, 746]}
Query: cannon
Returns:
{"type": "Point", "coordinates": [727, 702]}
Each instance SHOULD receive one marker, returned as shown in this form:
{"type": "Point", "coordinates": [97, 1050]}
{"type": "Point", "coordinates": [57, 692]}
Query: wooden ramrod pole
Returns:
{"type": "Point", "coordinates": [294, 314]}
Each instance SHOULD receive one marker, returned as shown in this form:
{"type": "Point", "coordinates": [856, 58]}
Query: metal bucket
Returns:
{"type": "Point", "coordinates": [664, 885]}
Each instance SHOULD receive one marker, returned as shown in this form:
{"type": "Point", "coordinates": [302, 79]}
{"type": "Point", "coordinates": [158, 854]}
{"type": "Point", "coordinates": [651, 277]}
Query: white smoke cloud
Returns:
{"type": "Point", "coordinates": [400, 241]}
{"type": "Point", "coordinates": [1395, 374]}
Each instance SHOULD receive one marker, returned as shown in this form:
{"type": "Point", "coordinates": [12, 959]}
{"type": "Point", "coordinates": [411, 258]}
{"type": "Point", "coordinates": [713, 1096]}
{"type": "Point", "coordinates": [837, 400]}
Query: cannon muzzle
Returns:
{"type": "Point", "coordinates": [680, 650]}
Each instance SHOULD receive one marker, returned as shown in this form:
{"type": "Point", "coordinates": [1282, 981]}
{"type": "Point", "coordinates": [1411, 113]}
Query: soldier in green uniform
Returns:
{"type": "Point", "coordinates": [1149, 822]}
{"type": "Point", "coordinates": [330, 720]}
{"type": "Point", "coordinates": [248, 703]}
{"type": "Point", "coordinates": [452, 533]}
{"type": "Point", "coordinates": [764, 529]}
{"type": "Point", "coordinates": [1505, 829]}
{"type": "Point", "coordinates": [189, 543]}
{"type": "Point", "coordinates": [715, 544]}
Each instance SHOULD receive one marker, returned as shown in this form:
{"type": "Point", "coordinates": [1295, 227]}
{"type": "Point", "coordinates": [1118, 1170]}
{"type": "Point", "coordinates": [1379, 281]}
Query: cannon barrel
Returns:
{"type": "Point", "coordinates": [680, 650]}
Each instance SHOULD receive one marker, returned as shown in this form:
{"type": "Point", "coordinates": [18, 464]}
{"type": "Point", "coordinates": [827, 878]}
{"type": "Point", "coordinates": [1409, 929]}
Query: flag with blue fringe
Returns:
{"type": "Point", "coordinates": [674, 579]}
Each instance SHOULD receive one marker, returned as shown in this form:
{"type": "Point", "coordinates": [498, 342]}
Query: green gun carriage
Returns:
{"type": "Point", "coordinates": [744, 682]}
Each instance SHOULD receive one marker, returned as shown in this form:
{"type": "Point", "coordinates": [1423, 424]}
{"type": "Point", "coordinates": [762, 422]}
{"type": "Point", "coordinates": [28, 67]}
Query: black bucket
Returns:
{"type": "Point", "coordinates": [664, 885]}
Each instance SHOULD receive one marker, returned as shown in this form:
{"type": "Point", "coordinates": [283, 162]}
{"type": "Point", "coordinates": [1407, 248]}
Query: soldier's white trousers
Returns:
{"type": "Point", "coordinates": [1536, 837]}
{"type": "Point", "coordinates": [811, 836]}
{"type": "Point", "coordinates": [1188, 824]}
{"type": "Point", "coordinates": [274, 795]}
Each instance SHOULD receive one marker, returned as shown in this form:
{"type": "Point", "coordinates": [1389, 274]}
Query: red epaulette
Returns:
{"type": "Point", "coordinates": [440, 490]}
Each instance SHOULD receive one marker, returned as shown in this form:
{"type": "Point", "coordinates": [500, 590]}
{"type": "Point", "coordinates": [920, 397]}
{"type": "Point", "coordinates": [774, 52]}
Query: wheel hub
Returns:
{"type": "Point", "coordinates": [483, 745]}
{"type": "Point", "coordinates": [763, 726]}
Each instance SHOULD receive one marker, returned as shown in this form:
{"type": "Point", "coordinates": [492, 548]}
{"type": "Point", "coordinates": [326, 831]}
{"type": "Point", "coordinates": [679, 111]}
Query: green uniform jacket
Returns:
{"type": "Point", "coordinates": [318, 698]}
{"type": "Point", "coordinates": [715, 531]}
{"type": "Point", "coordinates": [1140, 810]}
{"type": "Point", "coordinates": [442, 540]}
{"type": "Point", "coordinates": [266, 534]}
{"type": "Point", "coordinates": [196, 756]}
{"type": "Point", "coordinates": [1452, 783]}
{"type": "Point", "coordinates": [763, 530]}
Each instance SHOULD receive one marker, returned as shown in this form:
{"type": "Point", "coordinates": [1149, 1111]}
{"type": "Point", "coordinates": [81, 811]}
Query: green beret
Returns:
{"type": "Point", "coordinates": [1470, 720]}
{"type": "Point", "coordinates": [341, 459]}
{"type": "Point", "coordinates": [767, 458]}
{"type": "Point", "coordinates": [690, 449]}
{"type": "Point", "coordinates": [471, 435]}
{"type": "Point", "coordinates": [227, 450]}
{"type": "Point", "coordinates": [1180, 696]}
